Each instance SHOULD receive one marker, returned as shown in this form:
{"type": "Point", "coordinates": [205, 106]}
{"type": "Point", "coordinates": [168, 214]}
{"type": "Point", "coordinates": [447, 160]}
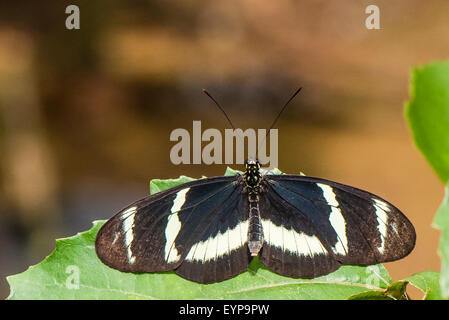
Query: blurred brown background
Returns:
{"type": "Point", "coordinates": [85, 115]}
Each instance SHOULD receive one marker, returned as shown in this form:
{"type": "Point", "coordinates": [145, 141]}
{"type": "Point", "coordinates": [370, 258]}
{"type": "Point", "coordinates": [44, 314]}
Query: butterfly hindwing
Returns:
{"type": "Point", "coordinates": [157, 232]}
{"type": "Point", "coordinates": [292, 246]}
{"type": "Point", "coordinates": [355, 226]}
{"type": "Point", "coordinates": [220, 250]}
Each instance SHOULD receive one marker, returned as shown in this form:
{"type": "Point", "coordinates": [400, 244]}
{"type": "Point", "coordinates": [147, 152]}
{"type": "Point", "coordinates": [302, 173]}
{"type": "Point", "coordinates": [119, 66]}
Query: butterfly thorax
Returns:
{"type": "Point", "coordinates": [252, 181]}
{"type": "Point", "coordinates": [252, 175]}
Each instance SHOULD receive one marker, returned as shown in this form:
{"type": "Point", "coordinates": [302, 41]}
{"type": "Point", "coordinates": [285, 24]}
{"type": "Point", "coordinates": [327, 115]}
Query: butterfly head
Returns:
{"type": "Point", "coordinates": [251, 164]}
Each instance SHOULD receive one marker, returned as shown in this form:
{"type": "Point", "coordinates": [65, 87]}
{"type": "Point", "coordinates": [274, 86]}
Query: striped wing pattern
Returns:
{"type": "Point", "coordinates": [198, 229]}
{"type": "Point", "coordinates": [311, 227]}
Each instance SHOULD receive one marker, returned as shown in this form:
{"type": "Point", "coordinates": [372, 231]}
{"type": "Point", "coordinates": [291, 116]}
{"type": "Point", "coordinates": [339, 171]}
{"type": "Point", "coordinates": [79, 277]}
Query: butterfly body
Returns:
{"type": "Point", "coordinates": [208, 230]}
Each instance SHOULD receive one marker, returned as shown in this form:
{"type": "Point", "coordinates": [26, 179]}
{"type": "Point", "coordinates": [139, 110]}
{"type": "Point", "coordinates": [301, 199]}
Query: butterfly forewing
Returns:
{"type": "Point", "coordinates": [220, 249]}
{"type": "Point", "coordinates": [157, 232]}
{"type": "Point", "coordinates": [355, 226]}
{"type": "Point", "coordinates": [292, 245]}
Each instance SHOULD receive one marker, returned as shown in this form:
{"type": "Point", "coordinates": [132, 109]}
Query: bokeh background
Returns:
{"type": "Point", "coordinates": [85, 115]}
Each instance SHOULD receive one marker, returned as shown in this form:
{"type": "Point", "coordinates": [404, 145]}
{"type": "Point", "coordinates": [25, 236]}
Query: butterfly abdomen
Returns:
{"type": "Point", "coordinates": [255, 231]}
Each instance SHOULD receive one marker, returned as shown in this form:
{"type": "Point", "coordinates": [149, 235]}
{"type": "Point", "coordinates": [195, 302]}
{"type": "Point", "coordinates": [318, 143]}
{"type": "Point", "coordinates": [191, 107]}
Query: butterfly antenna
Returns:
{"type": "Point", "coordinates": [219, 107]}
{"type": "Point", "coordinates": [283, 108]}
{"type": "Point", "coordinates": [277, 117]}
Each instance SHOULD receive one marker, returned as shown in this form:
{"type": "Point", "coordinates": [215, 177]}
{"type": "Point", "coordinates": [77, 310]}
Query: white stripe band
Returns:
{"type": "Point", "coordinates": [173, 227]}
{"type": "Point", "coordinates": [128, 228]}
{"type": "Point", "coordinates": [220, 245]}
{"type": "Point", "coordinates": [382, 219]}
{"type": "Point", "coordinates": [292, 241]}
{"type": "Point", "coordinates": [336, 219]}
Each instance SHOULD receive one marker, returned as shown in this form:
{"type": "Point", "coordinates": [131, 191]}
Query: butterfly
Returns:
{"type": "Point", "coordinates": [209, 230]}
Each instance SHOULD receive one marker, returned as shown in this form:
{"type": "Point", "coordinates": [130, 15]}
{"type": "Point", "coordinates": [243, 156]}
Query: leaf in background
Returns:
{"type": "Point", "coordinates": [428, 115]}
{"type": "Point", "coordinates": [428, 283]}
{"type": "Point", "coordinates": [441, 222]}
{"type": "Point", "coordinates": [73, 271]}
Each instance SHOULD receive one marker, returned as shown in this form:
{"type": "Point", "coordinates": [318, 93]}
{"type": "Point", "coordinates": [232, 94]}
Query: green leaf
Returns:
{"type": "Point", "coordinates": [53, 278]}
{"type": "Point", "coordinates": [157, 185]}
{"type": "Point", "coordinates": [428, 283]}
{"type": "Point", "coordinates": [441, 222]}
{"type": "Point", "coordinates": [395, 291]}
{"type": "Point", "coordinates": [73, 271]}
{"type": "Point", "coordinates": [232, 172]}
{"type": "Point", "coordinates": [428, 115]}
{"type": "Point", "coordinates": [371, 295]}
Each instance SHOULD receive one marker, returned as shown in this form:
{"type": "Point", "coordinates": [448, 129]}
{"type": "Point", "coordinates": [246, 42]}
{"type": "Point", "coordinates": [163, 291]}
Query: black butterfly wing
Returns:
{"type": "Point", "coordinates": [178, 228]}
{"type": "Point", "coordinates": [220, 250]}
{"type": "Point", "coordinates": [319, 224]}
{"type": "Point", "coordinates": [292, 246]}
